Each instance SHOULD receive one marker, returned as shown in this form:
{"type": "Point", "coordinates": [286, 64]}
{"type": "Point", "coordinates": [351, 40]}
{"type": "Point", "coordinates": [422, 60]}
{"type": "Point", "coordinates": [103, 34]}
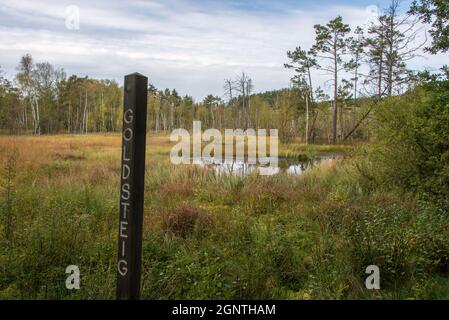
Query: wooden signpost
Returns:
{"type": "Point", "coordinates": [132, 187]}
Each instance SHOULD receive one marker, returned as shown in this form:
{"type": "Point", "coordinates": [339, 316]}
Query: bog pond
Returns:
{"type": "Point", "coordinates": [288, 166]}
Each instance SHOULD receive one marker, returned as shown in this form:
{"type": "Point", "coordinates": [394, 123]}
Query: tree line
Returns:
{"type": "Point", "coordinates": [363, 64]}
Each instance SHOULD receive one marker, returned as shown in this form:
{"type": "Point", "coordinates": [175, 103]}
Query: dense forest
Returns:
{"type": "Point", "coordinates": [364, 65]}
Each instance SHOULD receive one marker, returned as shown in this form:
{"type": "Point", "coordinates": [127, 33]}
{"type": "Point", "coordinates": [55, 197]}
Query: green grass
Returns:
{"type": "Point", "coordinates": [306, 152]}
{"type": "Point", "coordinates": [253, 237]}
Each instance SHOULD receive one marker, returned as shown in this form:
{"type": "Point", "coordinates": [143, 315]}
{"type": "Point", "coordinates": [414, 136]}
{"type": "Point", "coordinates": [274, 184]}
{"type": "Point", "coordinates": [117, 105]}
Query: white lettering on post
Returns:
{"type": "Point", "coordinates": [125, 196]}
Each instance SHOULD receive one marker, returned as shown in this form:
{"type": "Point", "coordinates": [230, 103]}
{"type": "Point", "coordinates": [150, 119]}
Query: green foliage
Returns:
{"type": "Point", "coordinates": [228, 237]}
{"type": "Point", "coordinates": [7, 184]}
{"type": "Point", "coordinates": [435, 13]}
{"type": "Point", "coordinates": [432, 242]}
{"type": "Point", "coordinates": [375, 239]}
{"type": "Point", "coordinates": [411, 146]}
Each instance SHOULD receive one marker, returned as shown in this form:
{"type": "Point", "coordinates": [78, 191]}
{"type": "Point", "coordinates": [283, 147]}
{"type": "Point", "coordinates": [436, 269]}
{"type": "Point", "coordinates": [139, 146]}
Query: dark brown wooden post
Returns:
{"type": "Point", "coordinates": [132, 187]}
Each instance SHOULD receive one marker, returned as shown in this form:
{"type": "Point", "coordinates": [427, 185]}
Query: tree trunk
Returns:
{"type": "Point", "coordinates": [307, 119]}
{"type": "Point", "coordinates": [38, 124]}
{"type": "Point", "coordinates": [334, 120]}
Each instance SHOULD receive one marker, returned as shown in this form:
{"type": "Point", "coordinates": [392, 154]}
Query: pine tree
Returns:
{"type": "Point", "coordinates": [331, 44]}
{"type": "Point", "coordinates": [435, 13]}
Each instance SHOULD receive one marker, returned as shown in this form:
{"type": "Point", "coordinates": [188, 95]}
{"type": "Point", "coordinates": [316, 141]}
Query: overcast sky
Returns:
{"type": "Point", "coordinates": [188, 45]}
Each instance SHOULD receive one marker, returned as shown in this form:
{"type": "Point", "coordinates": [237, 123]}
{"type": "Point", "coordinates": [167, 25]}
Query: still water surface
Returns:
{"type": "Point", "coordinates": [289, 166]}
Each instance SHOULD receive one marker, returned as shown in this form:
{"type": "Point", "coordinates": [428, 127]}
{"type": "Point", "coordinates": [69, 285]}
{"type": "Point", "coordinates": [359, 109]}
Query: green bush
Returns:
{"type": "Point", "coordinates": [432, 239]}
{"type": "Point", "coordinates": [381, 236]}
{"type": "Point", "coordinates": [411, 140]}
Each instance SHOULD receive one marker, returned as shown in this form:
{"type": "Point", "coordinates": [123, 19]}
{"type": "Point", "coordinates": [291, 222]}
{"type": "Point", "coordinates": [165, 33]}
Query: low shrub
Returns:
{"type": "Point", "coordinates": [182, 221]}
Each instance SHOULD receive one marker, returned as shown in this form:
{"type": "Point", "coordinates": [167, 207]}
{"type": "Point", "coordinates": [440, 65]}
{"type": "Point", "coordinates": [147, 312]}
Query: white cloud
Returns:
{"type": "Point", "coordinates": [188, 46]}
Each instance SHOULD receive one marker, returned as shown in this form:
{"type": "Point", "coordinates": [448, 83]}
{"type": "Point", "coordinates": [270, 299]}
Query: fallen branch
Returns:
{"type": "Point", "coordinates": [361, 120]}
